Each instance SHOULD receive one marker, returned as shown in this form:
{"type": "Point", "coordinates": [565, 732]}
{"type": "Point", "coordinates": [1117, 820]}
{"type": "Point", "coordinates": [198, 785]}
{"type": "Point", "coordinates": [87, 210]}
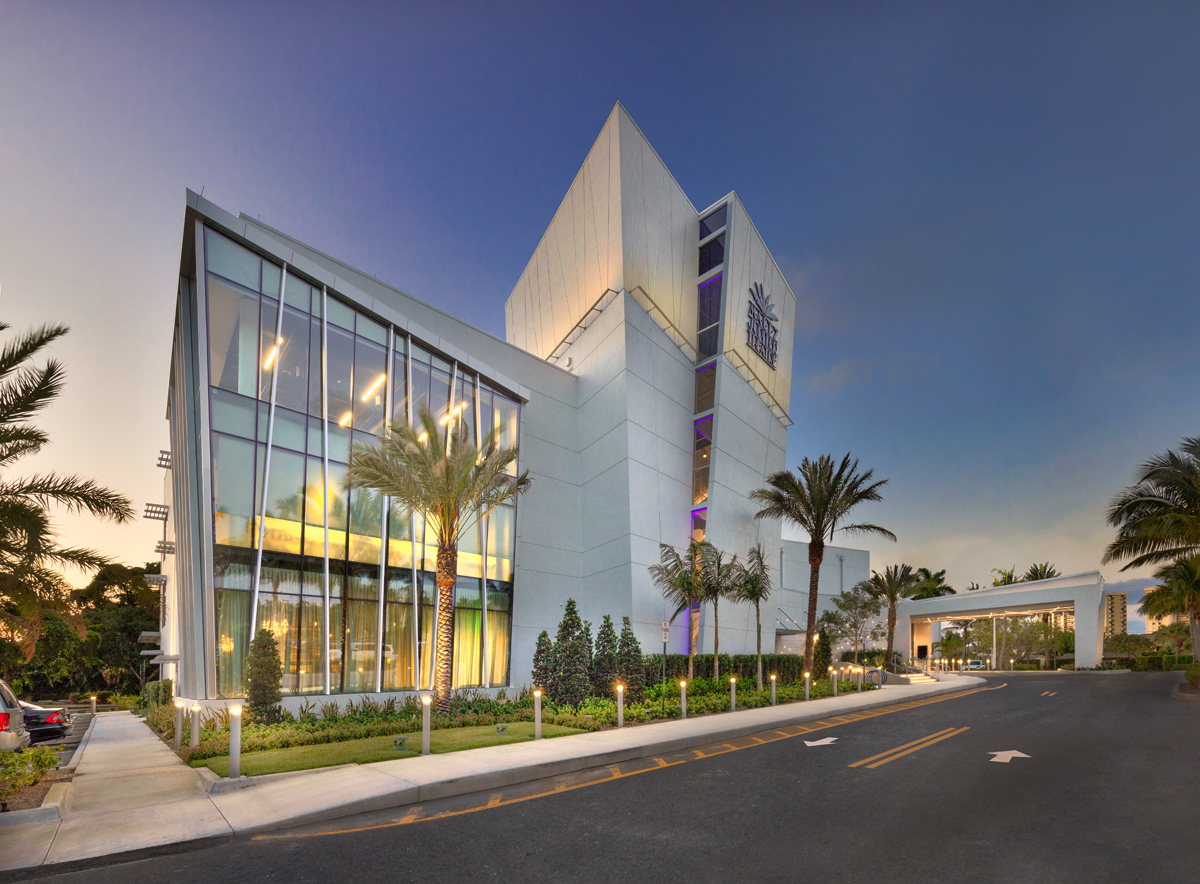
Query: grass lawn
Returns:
{"type": "Point", "coordinates": [378, 749]}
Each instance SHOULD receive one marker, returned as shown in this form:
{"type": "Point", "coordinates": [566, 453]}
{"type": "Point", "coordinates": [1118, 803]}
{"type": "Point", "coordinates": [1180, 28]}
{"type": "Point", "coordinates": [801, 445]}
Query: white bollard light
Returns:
{"type": "Point", "coordinates": [683, 699]}
{"type": "Point", "coordinates": [93, 701]}
{"type": "Point", "coordinates": [426, 703]}
{"type": "Point", "coordinates": [862, 671]}
{"type": "Point", "coordinates": [733, 695]}
{"type": "Point", "coordinates": [808, 686]}
{"type": "Point", "coordinates": [620, 705]}
{"type": "Point", "coordinates": [537, 715]}
{"type": "Point", "coordinates": [772, 690]}
{"type": "Point", "coordinates": [235, 742]}
{"type": "Point", "coordinates": [179, 704]}
{"type": "Point", "coordinates": [195, 738]}
{"type": "Point", "coordinates": [833, 678]}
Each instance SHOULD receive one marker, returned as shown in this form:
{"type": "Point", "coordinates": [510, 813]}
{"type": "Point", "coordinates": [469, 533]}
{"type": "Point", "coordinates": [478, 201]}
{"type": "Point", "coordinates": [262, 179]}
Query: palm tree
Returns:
{"type": "Point", "coordinates": [1179, 593]}
{"type": "Point", "coordinates": [720, 577]}
{"type": "Point", "coordinates": [681, 581]}
{"type": "Point", "coordinates": [896, 583]}
{"type": "Point", "coordinates": [453, 485]}
{"type": "Point", "coordinates": [30, 555]}
{"type": "Point", "coordinates": [817, 501]}
{"type": "Point", "coordinates": [1158, 519]}
{"type": "Point", "coordinates": [932, 584]}
{"type": "Point", "coordinates": [1039, 571]}
{"type": "Point", "coordinates": [754, 586]}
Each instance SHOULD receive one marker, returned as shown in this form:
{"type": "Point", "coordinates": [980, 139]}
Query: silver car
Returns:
{"type": "Point", "coordinates": [13, 736]}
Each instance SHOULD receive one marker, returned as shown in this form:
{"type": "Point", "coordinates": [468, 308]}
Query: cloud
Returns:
{"type": "Point", "coordinates": [853, 374]}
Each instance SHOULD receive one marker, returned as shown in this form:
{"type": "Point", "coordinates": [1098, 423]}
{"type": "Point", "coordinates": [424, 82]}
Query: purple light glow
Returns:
{"type": "Point", "coordinates": [706, 367]}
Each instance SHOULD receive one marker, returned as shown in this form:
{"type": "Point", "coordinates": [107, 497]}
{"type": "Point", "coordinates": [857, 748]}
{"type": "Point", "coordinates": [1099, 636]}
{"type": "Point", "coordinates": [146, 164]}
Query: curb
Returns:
{"type": "Point", "coordinates": [48, 812]}
{"type": "Point", "coordinates": [411, 793]}
{"type": "Point", "coordinates": [77, 755]}
{"type": "Point", "coordinates": [1178, 694]}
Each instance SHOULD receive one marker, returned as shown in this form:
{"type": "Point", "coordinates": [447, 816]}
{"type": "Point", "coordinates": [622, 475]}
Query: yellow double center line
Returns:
{"type": "Point", "coordinates": [901, 751]}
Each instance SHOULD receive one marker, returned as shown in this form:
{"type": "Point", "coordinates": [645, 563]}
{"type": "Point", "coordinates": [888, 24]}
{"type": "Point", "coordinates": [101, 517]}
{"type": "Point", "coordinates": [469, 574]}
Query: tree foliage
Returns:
{"type": "Point", "coordinates": [543, 661]}
{"type": "Point", "coordinates": [571, 680]}
{"type": "Point", "coordinates": [754, 586]}
{"type": "Point", "coordinates": [604, 660]}
{"type": "Point", "coordinates": [896, 583]}
{"type": "Point", "coordinates": [1158, 518]}
{"type": "Point", "coordinates": [1178, 594]}
{"type": "Point", "coordinates": [630, 668]}
{"type": "Point", "coordinates": [681, 581]}
{"type": "Point", "coordinates": [852, 617]}
{"type": "Point", "coordinates": [264, 674]}
{"type": "Point", "coordinates": [818, 500]}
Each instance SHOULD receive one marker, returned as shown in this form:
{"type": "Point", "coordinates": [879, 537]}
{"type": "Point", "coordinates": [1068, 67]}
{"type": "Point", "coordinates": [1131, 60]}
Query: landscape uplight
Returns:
{"type": "Point", "coordinates": [235, 742]}
{"type": "Point", "coordinates": [426, 702]}
{"type": "Point", "coordinates": [195, 737]}
{"type": "Point", "coordinates": [772, 690]}
{"type": "Point", "coordinates": [179, 704]}
{"type": "Point", "coordinates": [620, 705]}
{"type": "Point", "coordinates": [537, 714]}
{"type": "Point", "coordinates": [682, 699]}
{"type": "Point", "coordinates": [733, 695]}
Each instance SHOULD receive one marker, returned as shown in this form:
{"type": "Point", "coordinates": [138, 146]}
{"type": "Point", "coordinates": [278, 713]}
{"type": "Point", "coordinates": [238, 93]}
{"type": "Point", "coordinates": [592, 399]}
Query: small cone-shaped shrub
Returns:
{"type": "Point", "coordinates": [822, 656]}
{"type": "Point", "coordinates": [630, 665]}
{"type": "Point", "coordinates": [604, 660]}
{"type": "Point", "coordinates": [543, 661]}
{"type": "Point", "coordinates": [571, 681]}
{"type": "Point", "coordinates": [264, 677]}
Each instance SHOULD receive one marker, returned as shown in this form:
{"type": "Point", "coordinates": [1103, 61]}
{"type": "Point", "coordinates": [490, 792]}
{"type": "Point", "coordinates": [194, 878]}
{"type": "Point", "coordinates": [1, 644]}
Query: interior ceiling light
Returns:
{"type": "Point", "coordinates": [271, 356]}
{"type": "Point", "coordinates": [375, 386]}
{"type": "Point", "coordinates": [345, 419]}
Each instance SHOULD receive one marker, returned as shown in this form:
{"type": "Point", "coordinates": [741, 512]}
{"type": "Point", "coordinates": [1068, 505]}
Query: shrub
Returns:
{"type": "Point", "coordinates": [20, 769]}
{"type": "Point", "coordinates": [264, 677]}
{"type": "Point", "coordinates": [157, 692]}
{"type": "Point", "coordinates": [604, 660]}
{"type": "Point", "coordinates": [543, 661]}
{"type": "Point", "coordinates": [822, 654]}
{"type": "Point", "coordinates": [1193, 674]}
{"type": "Point", "coordinates": [630, 663]}
{"type": "Point", "coordinates": [570, 681]}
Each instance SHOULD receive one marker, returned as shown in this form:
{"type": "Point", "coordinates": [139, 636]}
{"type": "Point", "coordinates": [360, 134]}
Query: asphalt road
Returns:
{"type": "Point", "coordinates": [1110, 791]}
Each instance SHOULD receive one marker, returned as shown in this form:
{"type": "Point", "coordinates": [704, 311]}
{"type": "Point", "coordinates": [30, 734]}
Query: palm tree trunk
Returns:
{"type": "Point", "coordinates": [887, 659]}
{"type": "Point", "coordinates": [758, 630]}
{"type": "Point", "coordinates": [816, 553]}
{"type": "Point", "coordinates": [1194, 623]}
{"type": "Point", "coordinates": [716, 642]}
{"type": "Point", "coordinates": [447, 574]}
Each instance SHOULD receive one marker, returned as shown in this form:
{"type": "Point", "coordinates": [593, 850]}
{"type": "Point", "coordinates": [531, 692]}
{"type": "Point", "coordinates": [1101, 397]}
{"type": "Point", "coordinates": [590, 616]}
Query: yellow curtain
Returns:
{"type": "Point", "coordinates": [468, 653]}
{"type": "Point", "coordinates": [499, 634]}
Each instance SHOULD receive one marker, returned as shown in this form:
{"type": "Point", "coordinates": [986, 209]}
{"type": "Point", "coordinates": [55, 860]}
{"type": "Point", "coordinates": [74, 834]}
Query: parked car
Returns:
{"type": "Point", "coordinates": [13, 735]}
{"type": "Point", "coordinates": [975, 664]}
{"type": "Point", "coordinates": [45, 724]}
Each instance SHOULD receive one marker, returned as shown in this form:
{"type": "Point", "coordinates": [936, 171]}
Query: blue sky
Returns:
{"type": "Point", "coordinates": [988, 212]}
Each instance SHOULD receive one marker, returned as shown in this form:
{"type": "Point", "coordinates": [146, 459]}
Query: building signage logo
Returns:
{"type": "Point", "coordinates": [762, 326]}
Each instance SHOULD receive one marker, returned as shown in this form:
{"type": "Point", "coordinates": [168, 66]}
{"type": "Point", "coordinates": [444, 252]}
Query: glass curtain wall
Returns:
{"type": "Point", "coordinates": [330, 374]}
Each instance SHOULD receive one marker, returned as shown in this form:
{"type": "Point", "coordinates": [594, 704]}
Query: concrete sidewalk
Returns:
{"type": "Point", "coordinates": [131, 792]}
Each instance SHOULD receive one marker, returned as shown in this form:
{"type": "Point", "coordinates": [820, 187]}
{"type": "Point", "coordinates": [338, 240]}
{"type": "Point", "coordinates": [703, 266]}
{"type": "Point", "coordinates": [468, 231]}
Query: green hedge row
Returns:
{"type": "Point", "coordinates": [788, 667]}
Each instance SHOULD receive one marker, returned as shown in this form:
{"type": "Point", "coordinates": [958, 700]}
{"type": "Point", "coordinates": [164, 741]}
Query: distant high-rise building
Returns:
{"type": "Point", "coordinates": [1064, 620]}
{"type": "Point", "coordinates": [1116, 619]}
{"type": "Point", "coordinates": [1154, 624]}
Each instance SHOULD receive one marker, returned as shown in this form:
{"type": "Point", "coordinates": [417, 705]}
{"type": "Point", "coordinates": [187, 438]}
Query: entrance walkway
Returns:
{"type": "Point", "coordinates": [131, 792]}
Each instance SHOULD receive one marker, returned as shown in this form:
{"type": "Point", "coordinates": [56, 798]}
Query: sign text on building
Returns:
{"type": "Point", "coordinates": [762, 326]}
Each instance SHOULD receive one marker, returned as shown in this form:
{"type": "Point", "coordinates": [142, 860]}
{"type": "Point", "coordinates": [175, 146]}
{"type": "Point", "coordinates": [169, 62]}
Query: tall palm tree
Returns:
{"type": "Point", "coordinates": [681, 581]}
{"type": "Point", "coordinates": [754, 586]}
{"type": "Point", "coordinates": [1179, 593]}
{"type": "Point", "coordinates": [719, 581]}
{"type": "Point", "coordinates": [1158, 519]}
{"type": "Point", "coordinates": [31, 584]}
{"type": "Point", "coordinates": [1039, 571]}
{"type": "Point", "coordinates": [896, 583]}
{"type": "Point", "coordinates": [453, 484]}
{"type": "Point", "coordinates": [818, 500]}
{"type": "Point", "coordinates": [932, 584]}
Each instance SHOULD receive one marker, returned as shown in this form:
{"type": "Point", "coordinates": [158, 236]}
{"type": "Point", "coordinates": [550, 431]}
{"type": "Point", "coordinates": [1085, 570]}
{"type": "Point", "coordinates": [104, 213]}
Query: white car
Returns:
{"type": "Point", "coordinates": [975, 664]}
{"type": "Point", "coordinates": [13, 735]}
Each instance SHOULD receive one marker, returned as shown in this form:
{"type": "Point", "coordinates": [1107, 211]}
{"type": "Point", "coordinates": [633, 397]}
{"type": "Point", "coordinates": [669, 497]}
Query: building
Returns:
{"type": "Point", "coordinates": [1154, 624]}
{"type": "Point", "coordinates": [645, 379]}
{"type": "Point", "coordinates": [1065, 620]}
{"type": "Point", "coordinates": [1116, 613]}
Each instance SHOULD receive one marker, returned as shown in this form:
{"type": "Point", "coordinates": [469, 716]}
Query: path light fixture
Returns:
{"type": "Point", "coordinates": [862, 672]}
{"type": "Point", "coordinates": [195, 738]}
{"type": "Point", "coordinates": [682, 699]}
{"type": "Point", "coordinates": [733, 695]}
{"type": "Point", "coordinates": [93, 702]}
{"type": "Point", "coordinates": [235, 742]}
{"type": "Point", "coordinates": [179, 704]}
{"type": "Point", "coordinates": [620, 705]}
{"type": "Point", "coordinates": [537, 714]}
{"type": "Point", "coordinates": [807, 685]}
{"type": "Point", "coordinates": [1012, 664]}
{"type": "Point", "coordinates": [833, 678]}
{"type": "Point", "coordinates": [772, 690]}
{"type": "Point", "coordinates": [426, 703]}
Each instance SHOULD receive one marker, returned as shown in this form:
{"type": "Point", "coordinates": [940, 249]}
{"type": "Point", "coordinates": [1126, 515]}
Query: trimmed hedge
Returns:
{"type": "Point", "coordinates": [157, 692]}
{"type": "Point", "coordinates": [788, 667]}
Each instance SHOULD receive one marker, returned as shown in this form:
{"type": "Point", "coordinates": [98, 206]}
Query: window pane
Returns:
{"type": "Point", "coordinates": [506, 415]}
{"type": "Point", "coordinates": [706, 388]}
{"type": "Point", "coordinates": [340, 314]}
{"type": "Point", "coordinates": [311, 665]}
{"type": "Point", "coordinates": [698, 521]}
{"type": "Point", "coordinates": [270, 279]}
{"type": "Point", "coordinates": [233, 636]}
{"type": "Point", "coordinates": [291, 430]}
{"type": "Point", "coordinates": [314, 368]}
{"type": "Point", "coordinates": [370, 329]}
{"type": "Point", "coordinates": [362, 627]}
{"type": "Point", "coordinates": [439, 394]}
{"type": "Point", "coordinates": [279, 614]}
{"type": "Point", "coordinates": [399, 538]}
{"type": "Point", "coordinates": [314, 508]}
{"type": "Point", "coordinates": [399, 388]}
{"type": "Point", "coordinates": [297, 293]}
{"type": "Point", "coordinates": [340, 365]}
{"type": "Point", "coordinates": [713, 221]}
{"type": "Point", "coordinates": [399, 668]}
{"type": "Point", "coordinates": [702, 442]}
{"type": "Point", "coordinates": [339, 444]}
{"type": "Point", "coordinates": [292, 391]}
{"type": "Point", "coordinates": [232, 338]}
{"type": "Point", "coordinates": [700, 486]}
{"type": "Point", "coordinates": [469, 564]}
{"type": "Point", "coordinates": [233, 414]}
{"type": "Point", "coordinates": [464, 405]}
{"type": "Point", "coordinates": [420, 389]}
{"type": "Point", "coordinates": [228, 259]}
{"type": "Point", "coordinates": [370, 388]}
{"type": "Point", "coordinates": [712, 254]}
{"type": "Point", "coordinates": [708, 303]}
{"type": "Point", "coordinates": [337, 495]}
{"type": "Point", "coordinates": [499, 631]}
{"type": "Point", "coordinates": [708, 341]}
{"type": "Point", "coordinates": [366, 525]}
{"type": "Point", "coordinates": [284, 503]}
{"type": "Point", "coordinates": [468, 633]}
{"type": "Point", "coordinates": [268, 351]}
{"type": "Point", "coordinates": [501, 543]}
{"type": "Point", "coordinates": [233, 490]}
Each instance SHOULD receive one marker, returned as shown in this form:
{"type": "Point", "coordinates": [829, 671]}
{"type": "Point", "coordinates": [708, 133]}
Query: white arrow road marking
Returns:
{"type": "Point", "coordinates": [824, 742]}
{"type": "Point", "coordinates": [1006, 757]}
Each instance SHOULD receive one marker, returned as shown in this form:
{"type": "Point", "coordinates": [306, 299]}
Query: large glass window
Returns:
{"type": "Point", "coordinates": [370, 385]}
{"type": "Point", "coordinates": [713, 221]}
{"type": "Point", "coordinates": [501, 543]}
{"type": "Point", "coordinates": [706, 388]}
{"type": "Point", "coordinates": [233, 574]}
{"type": "Point", "coordinates": [294, 361]}
{"type": "Point", "coordinates": [233, 490]}
{"type": "Point", "coordinates": [399, 383]}
{"type": "Point", "coordinates": [339, 375]}
{"type": "Point", "coordinates": [268, 351]}
{"type": "Point", "coordinates": [708, 317]}
{"type": "Point", "coordinates": [468, 633]}
{"type": "Point", "coordinates": [232, 338]}
{"type": "Point", "coordinates": [284, 502]}
{"type": "Point", "coordinates": [702, 448]}
{"type": "Point", "coordinates": [399, 667]}
{"type": "Point", "coordinates": [464, 406]}
{"type": "Point", "coordinates": [712, 254]}
{"type": "Point", "coordinates": [279, 612]}
{"type": "Point", "coordinates": [234, 262]}
{"type": "Point", "coordinates": [499, 629]}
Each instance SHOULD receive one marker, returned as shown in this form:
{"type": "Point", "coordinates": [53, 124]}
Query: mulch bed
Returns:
{"type": "Point", "coordinates": [32, 796]}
